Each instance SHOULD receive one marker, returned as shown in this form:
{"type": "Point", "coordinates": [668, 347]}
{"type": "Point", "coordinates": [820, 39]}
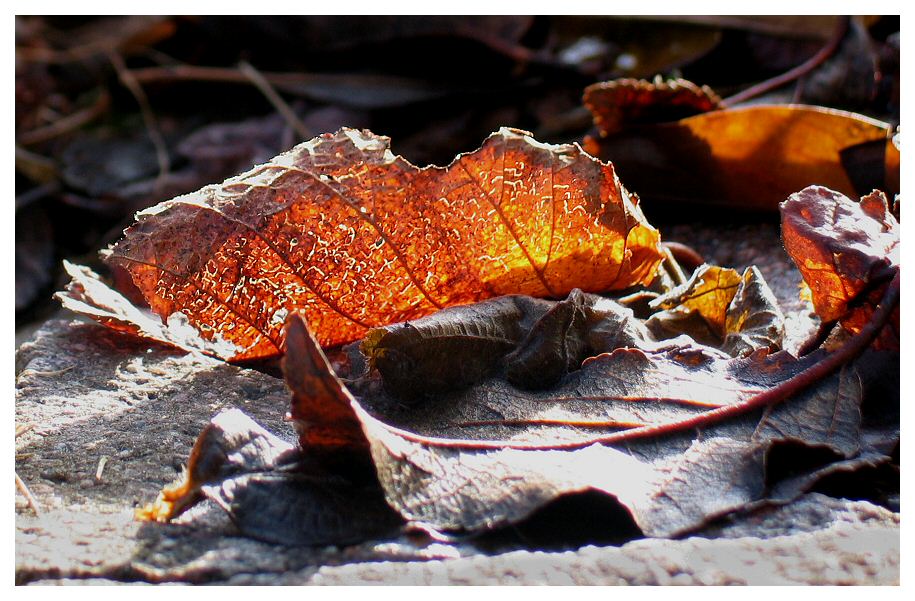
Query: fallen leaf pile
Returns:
{"type": "Point", "coordinates": [508, 331]}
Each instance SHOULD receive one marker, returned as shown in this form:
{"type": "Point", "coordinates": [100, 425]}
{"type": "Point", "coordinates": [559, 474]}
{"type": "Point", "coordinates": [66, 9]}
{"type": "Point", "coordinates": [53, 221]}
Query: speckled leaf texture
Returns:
{"type": "Point", "coordinates": [354, 237]}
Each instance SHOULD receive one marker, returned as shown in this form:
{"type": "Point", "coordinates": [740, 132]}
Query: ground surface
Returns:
{"type": "Point", "coordinates": [91, 396]}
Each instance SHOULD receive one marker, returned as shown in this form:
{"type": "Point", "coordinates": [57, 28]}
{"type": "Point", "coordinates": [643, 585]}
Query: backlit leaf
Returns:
{"type": "Point", "coordinates": [718, 307]}
{"type": "Point", "coordinates": [354, 237]}
{"type": "Point", "coordinates": [749, 157]}
{"type": "Point", "coordinates": [840, 245]}
{"type": "Point", "coordinates": [847, 252]}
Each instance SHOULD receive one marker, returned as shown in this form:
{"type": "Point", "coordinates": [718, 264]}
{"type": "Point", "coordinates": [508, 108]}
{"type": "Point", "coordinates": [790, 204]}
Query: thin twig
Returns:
{"type": "Point", "coordinates": [66, 124]}
{"type": "Point", "coordinates": [102, 462]}
{"type": "Point", "coordinates": [130, 82]}
{"type": "Point", "coordinates": [806, 67]}
{"type": "Point", "coordinates": [261, 83]}
{"type": "Point", "coordinates": [27, 494]}
{"type": "Point", "coordinates": [36, 194]}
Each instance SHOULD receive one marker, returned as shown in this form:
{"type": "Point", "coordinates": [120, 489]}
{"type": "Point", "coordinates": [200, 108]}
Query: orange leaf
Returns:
{"type": "Point", "coordinates": [751, 157]}
{"type": "Point", "coordinates": [354, 237]}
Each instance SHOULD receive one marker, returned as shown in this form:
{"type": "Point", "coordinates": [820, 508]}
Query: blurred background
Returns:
{"type": "Point", "coordinates": [114, 114]}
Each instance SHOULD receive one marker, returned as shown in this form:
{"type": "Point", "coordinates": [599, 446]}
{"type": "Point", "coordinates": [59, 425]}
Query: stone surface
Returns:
{"type": "Point", "coordinates": [109, 420]}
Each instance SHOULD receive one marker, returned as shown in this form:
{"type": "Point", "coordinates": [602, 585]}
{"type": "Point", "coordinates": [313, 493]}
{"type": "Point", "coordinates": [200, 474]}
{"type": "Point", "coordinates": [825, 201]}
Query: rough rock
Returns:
{"type": "Point", "coordinates": [109, 420]}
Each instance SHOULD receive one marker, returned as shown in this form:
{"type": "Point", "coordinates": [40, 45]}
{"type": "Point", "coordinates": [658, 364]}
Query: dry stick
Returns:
{"type": "Point", "coordinates": [20, 430]}
{"type": "Point", "coordinates": [216, 74]}
{"type": "Point", "coordinates": [101, 467]}
{"type": "Point", "coordinates": [803, 69]}
{"type": "Point", "coordinates": [37, 193]}
{"type": "Point", "coordinates": [853, 347]}
{"type": "Point", "coordinates": [261, 83]}
{"type": "Point", "coordinates": [27, 494]}
{"type": "Point", "coordinates": [66, 124]}
{"type": "Point", "coordinates": [152, 130]}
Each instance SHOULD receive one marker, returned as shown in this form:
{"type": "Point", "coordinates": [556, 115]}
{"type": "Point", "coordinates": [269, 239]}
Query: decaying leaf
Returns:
{"type": "Point", "coordinates": [536, 342]}
{"type": "Point", "coordinates": [354, 237]}
{"type": "Point", "coordinates": [625, 103]}
{"type": "Point", "coordinates": [749, 157]}
{"type": "Point", "coordinates": [845, 250]}
{"type": "Point", "coordinates": [489, 445]}
{"type": "Point", "coordinates": [719, 307]}
{"type": "Point", "coordinates": [274, 492]}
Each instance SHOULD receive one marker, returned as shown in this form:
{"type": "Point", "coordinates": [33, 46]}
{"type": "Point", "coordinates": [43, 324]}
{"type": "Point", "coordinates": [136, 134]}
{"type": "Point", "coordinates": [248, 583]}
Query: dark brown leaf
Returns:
{"type": "Point", "coordinates": [623, 103]}
{"type": "Point", "coordinates": [536, 342]}
{"type": "Point", "coordinates": [514, 450]}
{"type": "Point", "coordinates": [273, 492]}
{"type": "Point", "coordinates": [492, 455]}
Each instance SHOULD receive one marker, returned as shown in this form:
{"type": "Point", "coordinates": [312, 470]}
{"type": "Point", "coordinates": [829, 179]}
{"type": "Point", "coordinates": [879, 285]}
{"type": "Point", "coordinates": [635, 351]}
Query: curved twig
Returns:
{"type": "Point", "coordinates": [803, 69]}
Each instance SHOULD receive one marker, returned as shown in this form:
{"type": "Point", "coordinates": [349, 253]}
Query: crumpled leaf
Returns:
{"type": "Point", "coordinates": [754, 319]}
{"type": "Point", "coordinates": [623, 103]}
{"type": "Point", "coordinates": [354, 237]}
{"type": "Point", "coordinates": [88, 295]}
{"type": "Point", "coordinates": [476, 458]}
{"type": "Point", "coordinates": [845, 249]}
{"type": "Point", "coordinates": [273, 492]}
{"type": "Point", "coordinates": [747, 157]}
{"type": "Point", "coordinates": [709, 292]}
{"type": "Point", "coordinates": [718, 307]}
{"type": "Point", "coordinates": [536, 342]}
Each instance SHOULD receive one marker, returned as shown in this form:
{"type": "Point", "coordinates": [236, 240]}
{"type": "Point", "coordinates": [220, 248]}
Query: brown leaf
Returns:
{"type": "Point", "coordinates": [754, 319]}
{"type": "Point", "coordinates": [256, 477]}
{"type": "Point", "coordinates": [481, 457]}
{"type": "Point", "coordinates": [751, 157]}
{"type": "Point", "coordinates": [708, 292]}
{"type": "Point", "coordinates": [844, 249]}
{"type": "Point", "coordinates": [623, 103]}
{"type": "Point", "coordinates": [598, 44]}
{"type": "Point", "coordinates": [536, 342]}
{"type": "Point", "coordinates": [354, 237]}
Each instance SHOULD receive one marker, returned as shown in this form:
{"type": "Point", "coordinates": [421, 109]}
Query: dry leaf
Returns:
{"type": "Point", "coordinates": [749, 158]}
{"type": "Point", "coordinates": [718, 307]}
{"type": "Point", "coordinates": [623, 103]}
{"type": "Point", "coordinates": [845, 249]}
{"type": "Point", "coordinates": [354, 237]}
